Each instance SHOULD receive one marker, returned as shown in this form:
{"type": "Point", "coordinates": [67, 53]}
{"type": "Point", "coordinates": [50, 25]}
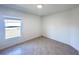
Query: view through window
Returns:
{"type": "Point", "coordinates": [12, 28]}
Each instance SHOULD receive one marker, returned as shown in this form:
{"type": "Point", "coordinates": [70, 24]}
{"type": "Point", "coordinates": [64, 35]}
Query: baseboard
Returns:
{"type": "Point", "coordinates": [19, 43]}
{"type": "Point", "coordinates": [61, 42]}
{"type": "Point", "coordinates": [54, 40]}
{"type": "Point", "coordinates": [32, 39]}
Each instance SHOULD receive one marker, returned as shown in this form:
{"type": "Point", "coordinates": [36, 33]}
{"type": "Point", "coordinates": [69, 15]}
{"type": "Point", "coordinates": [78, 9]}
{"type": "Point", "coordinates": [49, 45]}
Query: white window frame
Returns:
{"type": "Point", "coordinates": [13, 18]}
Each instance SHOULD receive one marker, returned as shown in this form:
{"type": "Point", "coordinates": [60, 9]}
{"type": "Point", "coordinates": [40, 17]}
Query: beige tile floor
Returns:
{"type": "Point", "coordinates": [40, 46]}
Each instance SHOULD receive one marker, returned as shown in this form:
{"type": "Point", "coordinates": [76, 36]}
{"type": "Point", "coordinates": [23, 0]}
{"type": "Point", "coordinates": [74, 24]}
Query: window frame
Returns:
{"type": "Point", "coordinates": [14, 18]}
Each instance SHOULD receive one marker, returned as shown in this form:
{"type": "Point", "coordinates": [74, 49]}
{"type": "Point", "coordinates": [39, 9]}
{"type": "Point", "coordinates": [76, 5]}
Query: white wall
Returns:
{"type": "Point", "coordinates": [63, 27]}
{"type": "Point", "coordinates": [30, 26]}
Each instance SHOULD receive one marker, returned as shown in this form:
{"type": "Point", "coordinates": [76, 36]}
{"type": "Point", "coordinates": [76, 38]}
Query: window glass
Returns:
{"type": "Point", "coordinates": [12, 28]}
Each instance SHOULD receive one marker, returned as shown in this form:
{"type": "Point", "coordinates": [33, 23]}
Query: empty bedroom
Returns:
{"type": "Point", "coordinates": [39, 29]}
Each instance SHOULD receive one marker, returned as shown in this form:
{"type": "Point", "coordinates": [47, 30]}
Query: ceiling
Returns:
{"type": "Point", "coordinates": [46, 10]}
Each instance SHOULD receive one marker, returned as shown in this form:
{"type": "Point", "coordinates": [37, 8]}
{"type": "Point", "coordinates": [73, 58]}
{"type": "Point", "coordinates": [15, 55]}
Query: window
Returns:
{"type": "Point", "coordinates": [12, 28]}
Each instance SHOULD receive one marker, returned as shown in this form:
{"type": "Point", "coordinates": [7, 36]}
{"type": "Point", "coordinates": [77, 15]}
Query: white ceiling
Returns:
{"type": "Point", "coordinates": [46, 10]}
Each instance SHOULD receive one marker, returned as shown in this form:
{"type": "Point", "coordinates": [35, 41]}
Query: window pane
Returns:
{"type": "Point", "coordinates": [12, 32]}
{"type": "Point", "coordinates": [12, 24]}
{"type": "Point", "coordinates": [12, 21]}
{"type": "Point", "coordinates": [12, 28]}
